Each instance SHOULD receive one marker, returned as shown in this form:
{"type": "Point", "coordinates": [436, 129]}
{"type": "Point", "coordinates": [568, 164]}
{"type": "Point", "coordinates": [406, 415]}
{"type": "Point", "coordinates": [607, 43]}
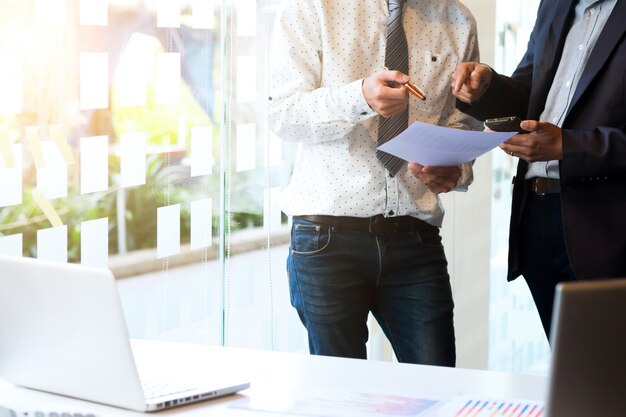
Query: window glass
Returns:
{"type": "Point", "coordinates": [516, 339]}
{"type": "Point", "coordinates": [133, 135]}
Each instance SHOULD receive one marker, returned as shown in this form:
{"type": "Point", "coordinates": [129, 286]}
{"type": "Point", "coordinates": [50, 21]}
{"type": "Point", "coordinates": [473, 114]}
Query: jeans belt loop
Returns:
{"type": "Point", "coordinates": [372, 224]}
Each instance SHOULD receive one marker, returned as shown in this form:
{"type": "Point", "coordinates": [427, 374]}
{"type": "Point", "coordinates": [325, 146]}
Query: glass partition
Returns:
{"type": "Point", "coordinates": [516, 339]}
{"type": "Point", "coordinates": [133, 135]}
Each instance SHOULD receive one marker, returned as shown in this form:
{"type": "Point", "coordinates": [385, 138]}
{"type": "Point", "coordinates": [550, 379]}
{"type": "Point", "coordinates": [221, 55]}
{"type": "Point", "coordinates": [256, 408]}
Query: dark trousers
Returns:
{"type": "Point", "coordinates": [338, 276]}
{"type": "Point", "coordinates": [543, 257]}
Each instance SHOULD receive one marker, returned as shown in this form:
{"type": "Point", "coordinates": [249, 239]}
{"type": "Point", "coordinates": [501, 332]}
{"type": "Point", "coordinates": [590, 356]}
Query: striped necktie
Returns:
{"type": "Point", "coordinates": [396, 58]}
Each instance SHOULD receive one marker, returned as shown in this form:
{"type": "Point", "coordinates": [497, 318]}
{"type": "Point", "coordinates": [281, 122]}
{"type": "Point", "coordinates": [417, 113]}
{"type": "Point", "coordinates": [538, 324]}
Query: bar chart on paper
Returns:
{"type": "Point", "coordinates": [325, 404]}
{"type": "Point", "coordinates": [473, 407]}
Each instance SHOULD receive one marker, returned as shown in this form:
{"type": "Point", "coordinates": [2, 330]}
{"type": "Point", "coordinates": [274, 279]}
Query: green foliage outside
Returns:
{"type": "Point", "coordinates": [168, 180]}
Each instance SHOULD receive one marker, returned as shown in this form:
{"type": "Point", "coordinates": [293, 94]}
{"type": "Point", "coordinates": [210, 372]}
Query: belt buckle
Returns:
{"type": "Point", "coordinates": [543, 186]}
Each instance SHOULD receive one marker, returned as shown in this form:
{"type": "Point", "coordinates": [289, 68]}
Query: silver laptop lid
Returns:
{"type": "Point", "coordinates": [62, 330]}
{"type": "Point", "coordinates": [588, 371]}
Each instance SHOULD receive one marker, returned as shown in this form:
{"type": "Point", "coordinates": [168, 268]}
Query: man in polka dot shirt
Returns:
{"type": "Point", "coordinates": [363, 239]}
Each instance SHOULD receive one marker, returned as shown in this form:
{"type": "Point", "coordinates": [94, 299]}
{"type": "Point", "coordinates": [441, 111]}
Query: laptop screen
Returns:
{"type": "Point", "coordinates": [588, 371]}
{"type": "Point", "coordinates": [62, 330]}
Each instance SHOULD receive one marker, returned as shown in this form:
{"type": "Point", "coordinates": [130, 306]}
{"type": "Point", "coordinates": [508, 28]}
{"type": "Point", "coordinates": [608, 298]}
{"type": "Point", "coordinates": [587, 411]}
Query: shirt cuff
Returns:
{"type": "Point", "coordinates": [351, 98]}
{"type": "Point", "coordinates": [466, 178]}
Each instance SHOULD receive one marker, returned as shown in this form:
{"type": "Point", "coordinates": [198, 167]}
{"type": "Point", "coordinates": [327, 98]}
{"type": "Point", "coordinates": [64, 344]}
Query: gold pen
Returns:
{"type": "Point", "coordinates": [413, 89]}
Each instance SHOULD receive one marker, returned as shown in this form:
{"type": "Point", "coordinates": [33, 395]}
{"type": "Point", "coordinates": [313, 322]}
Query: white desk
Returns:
{"type": "Point", "coordinates": [277, 376]}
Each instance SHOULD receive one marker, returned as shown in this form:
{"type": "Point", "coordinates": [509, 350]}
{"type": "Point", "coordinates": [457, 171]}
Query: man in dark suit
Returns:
{"type": "Point", "coordinates": [568, 217]}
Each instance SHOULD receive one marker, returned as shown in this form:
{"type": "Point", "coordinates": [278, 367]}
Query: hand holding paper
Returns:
{"type": "Point", "coordinates": [431, 145]}
{"type": "Point", "coordinates": [438, 179]}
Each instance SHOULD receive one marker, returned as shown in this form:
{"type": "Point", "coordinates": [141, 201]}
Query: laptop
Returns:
{"type": "Point", "coordinates": [587, 376]}
{"type": "Point", "coordinates": [588, 338]}
{"type": "Point", "coordinates": [62, 330]}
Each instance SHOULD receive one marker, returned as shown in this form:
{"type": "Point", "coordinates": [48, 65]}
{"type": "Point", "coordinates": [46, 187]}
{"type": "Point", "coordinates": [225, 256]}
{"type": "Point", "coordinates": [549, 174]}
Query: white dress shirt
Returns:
{"type": "Point", "coordinates": [322, 51]}
{"type": "Point", "coordinates": [589, 20]}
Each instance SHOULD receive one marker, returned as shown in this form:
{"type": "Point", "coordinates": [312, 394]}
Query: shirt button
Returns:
{"type": "Point", "coordinates": [592, 11]}
{"type": "Point", "coordinates": [567, 84]}
{"type": "Point", "coordinates": [391, 213]}
{"type": "Point", "coordinates": [581, 47]}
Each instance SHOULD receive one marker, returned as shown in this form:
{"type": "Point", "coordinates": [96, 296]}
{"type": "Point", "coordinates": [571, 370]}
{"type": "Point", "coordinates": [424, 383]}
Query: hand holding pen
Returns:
{"type": "Point", "coordinates": [386, 92]}
{"type": "Point", "coordinates": [413, 89]}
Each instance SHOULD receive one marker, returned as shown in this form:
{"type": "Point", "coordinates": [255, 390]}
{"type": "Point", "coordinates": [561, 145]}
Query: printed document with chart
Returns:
{"type": "Point", "coordinates": [368, 404]}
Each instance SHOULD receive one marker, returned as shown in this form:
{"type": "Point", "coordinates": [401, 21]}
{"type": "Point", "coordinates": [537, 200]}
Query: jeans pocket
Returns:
{"type": "Point", "coordinates": [430, 237]}
{"type": "Point", "coordinates": [309, 238]}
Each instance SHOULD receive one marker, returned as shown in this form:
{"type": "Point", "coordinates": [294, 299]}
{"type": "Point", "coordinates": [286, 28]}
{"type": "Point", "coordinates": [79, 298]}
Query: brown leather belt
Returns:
{"type": "Point", "coordinates": [377, 225]}
{"type": "Point", "coordinates": [543, 186]}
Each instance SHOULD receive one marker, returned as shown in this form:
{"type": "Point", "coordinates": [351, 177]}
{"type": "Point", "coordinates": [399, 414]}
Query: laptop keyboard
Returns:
{"type": "Point", "coordinates": [154, 390]}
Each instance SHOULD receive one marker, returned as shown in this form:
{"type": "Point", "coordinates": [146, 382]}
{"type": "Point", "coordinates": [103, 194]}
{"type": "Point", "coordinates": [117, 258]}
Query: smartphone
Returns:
{"type": "Point", "coordinates": [505, 124]}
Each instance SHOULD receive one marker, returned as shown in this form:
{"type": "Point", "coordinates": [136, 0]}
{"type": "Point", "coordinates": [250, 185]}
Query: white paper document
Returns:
{"type": "Point", "coordinates": [342, 404]}
{"type": "Point", "coordinates": [431, 145]}
{"type": "Point", "coordinates": [363, 404]}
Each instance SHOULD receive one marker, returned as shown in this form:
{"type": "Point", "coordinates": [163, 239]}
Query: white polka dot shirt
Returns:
{"type": "Point", "coordinates": [322, 51]}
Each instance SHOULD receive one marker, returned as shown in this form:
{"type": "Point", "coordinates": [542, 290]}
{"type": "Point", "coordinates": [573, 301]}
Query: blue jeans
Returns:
{"type": "Point", "coordinates": [338, 276]}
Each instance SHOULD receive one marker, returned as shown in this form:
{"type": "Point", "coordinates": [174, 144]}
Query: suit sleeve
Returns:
{"type": "Point", "coordinates": [505, 96]}
{"type": "Point", "coordinates": [509, 96]}
{"type": "Point", "coordinates": [593, 156]}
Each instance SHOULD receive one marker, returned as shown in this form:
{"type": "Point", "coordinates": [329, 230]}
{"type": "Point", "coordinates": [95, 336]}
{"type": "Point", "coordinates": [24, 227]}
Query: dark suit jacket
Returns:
{"type": "Point", "coordinates": [593, 168]}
